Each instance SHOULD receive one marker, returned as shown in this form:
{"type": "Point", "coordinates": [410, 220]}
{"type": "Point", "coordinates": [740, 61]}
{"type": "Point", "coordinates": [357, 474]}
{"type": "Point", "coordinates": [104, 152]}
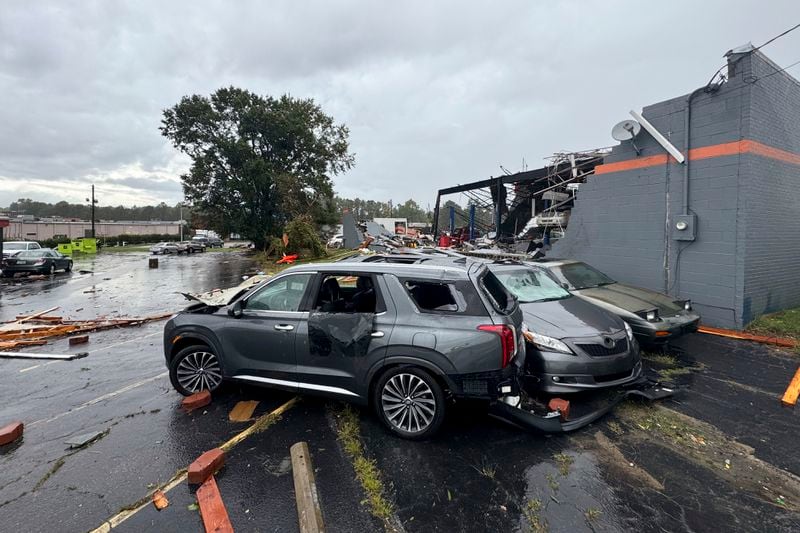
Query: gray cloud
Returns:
{"type": "Point", "coordinates": [434, 93]}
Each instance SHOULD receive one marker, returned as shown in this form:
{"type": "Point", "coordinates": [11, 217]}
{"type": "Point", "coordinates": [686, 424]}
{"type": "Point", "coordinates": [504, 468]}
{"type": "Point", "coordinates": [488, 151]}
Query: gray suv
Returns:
{"type": "Point", "coordinates": [401, 338]}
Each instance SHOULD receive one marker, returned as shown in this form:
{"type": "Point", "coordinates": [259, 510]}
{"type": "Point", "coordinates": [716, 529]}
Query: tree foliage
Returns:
{"type": "Point", "coordinates": [369, 209]}
{"type": "Point", "coordinates": [162, 211]}
{"type": "Point", "coordinates": [258, 162]}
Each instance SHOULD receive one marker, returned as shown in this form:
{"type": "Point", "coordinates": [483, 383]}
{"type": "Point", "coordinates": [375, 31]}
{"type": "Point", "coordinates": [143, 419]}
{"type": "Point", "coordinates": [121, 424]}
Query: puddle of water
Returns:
{"type": "Point", "coordinates": [579, 501]}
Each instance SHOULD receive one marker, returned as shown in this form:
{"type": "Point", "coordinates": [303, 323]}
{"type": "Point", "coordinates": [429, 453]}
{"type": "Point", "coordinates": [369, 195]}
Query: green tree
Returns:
{"type": "Point", "coordinates": [257, 162]}
{"type": "Point", "coordinates": [413, 212]}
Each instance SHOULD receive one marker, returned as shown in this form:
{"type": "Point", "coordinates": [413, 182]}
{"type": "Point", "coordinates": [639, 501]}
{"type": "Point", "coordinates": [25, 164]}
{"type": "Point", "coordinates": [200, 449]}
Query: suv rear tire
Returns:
{"type": "Point", "coordinates": [409, 402]}
{"type": "Point", "coordinates": [195, 368]}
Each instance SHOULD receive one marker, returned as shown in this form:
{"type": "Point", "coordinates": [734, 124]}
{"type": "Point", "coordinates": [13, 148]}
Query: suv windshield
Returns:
{"type": "Point", "coordinates": [531, 285]}
{"type": "Point", "coordinates": [582, 276]}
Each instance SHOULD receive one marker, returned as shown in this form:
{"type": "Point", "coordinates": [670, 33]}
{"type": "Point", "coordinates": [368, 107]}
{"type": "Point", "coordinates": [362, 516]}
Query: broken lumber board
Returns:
{"type": "Point", "coordinates": [62, 357]}
{"type": "Point", "coordinates": [10, 345]}
{"type": "Point", "coordinates": [309, 513]}
{"type": "Point", "coordinates": [792, 391]}
{"type": "Point", "coordinates": [26, 318]}
{"type": "Point", "coordinates": [41, 318]}
{"type": "Point", "coordinates": [243, 411]}
{"type": "Point", "coordinates": [212, 509]}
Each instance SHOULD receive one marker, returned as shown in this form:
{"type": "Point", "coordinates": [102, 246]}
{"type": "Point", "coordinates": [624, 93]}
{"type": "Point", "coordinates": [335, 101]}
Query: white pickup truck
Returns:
{"type": "Point", "coordinates": [11, 248]}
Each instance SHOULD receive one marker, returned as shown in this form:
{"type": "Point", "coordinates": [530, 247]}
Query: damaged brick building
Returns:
{"type": "Point", "coordinates": [723, 228]}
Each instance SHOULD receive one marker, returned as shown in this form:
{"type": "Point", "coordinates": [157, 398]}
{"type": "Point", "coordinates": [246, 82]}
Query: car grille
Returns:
{"type": "Point", "coordinates": [599, 350]}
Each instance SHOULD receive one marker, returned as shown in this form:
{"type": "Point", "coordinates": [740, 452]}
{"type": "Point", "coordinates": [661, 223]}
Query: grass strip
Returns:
{"type": "Point", "coordinates": [348, 429]}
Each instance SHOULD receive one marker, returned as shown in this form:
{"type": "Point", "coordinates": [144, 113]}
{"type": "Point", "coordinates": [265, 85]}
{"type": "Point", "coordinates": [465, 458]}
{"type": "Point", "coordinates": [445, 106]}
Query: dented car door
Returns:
{"type": "Point", "coordinates": [346, 334]}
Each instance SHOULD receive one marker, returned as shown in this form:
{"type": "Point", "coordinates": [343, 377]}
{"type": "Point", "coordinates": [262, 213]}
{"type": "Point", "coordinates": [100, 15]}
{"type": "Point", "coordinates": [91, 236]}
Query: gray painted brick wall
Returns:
{"type": "Point", "coordinates": [744, 260]}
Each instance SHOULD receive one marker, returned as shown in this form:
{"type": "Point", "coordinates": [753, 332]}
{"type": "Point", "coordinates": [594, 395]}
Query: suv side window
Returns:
{"type": "Point", "coordinates": [501, 299]}
{"type": "Point", "coordinates": [345, 293]}
{"type": "Point", "coordinates": [449, 297]}
{"type": "Point", "coordinates": [284, 294]}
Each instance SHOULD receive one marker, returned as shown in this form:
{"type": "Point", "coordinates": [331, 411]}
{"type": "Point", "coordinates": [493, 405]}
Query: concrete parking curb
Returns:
{"type": "Point", "coordinates": [206, 466]}
{"type": "Point", "coordinates": [212, 509]}
{"type": "Point", "coordinates": [11, 432]}
{"type": "Point", "coordinates": [196, 401]}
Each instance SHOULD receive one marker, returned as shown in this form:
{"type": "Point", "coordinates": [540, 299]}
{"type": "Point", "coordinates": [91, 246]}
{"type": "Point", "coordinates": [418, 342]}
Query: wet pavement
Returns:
{"type": "Point", "coordinates": [720, 455]}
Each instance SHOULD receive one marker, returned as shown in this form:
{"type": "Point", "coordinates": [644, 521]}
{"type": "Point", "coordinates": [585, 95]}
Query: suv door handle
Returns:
{"type": "Point", "coordinates": [376, 334]}
{"type": "Point", "coordinates": [284, 327]}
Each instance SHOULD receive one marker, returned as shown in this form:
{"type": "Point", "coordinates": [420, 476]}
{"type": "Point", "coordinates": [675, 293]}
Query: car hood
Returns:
{"type": "Point", "coordinates": [570, 317]}
{"type": "Point", "coordinates": [632, 299]}
{"type": "Point", "coordinates": [220, 297]}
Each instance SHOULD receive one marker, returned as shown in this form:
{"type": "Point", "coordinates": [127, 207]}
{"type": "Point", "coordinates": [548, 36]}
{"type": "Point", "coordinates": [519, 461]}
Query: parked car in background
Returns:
{"type": "Point", "coordinates": [209, 242]}
{"type": "Point", "coordinates": [14, 247]}
{"type": "Point", "coordinates": [337, 241]}
{"type": "Point", "coordinates": [654, 317]}
{"type": "Point", "coordinates": [41, 261]}
{"type": "Point", "coordinates": [191, 247]}
{"type": "Point", "coordinates": [401, 338]}
{"type": "Point", "coordinates": [573, 345]}
{"type": "Point", "coordinates": [165, 248]}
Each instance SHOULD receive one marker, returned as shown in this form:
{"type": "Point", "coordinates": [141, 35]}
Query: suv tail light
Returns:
{"type": "Point", "coordinates": [508, 340]}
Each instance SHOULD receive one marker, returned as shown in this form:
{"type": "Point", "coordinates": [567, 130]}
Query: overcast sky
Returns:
{"type": "Point", "coordinates": [435, 93]}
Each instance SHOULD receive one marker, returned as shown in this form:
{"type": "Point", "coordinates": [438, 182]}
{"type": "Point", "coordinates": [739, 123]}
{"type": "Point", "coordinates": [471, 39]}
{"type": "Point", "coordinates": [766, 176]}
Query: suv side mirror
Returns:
{"type": "Point", "coordinates": [236, 309]}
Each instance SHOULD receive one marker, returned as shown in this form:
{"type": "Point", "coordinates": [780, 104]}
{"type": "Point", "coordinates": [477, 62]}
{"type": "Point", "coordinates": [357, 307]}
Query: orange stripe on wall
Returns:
{"type": "Point", "coordinates": [631, 164]}
{"type": "Point", "coordinates": [706, 152]}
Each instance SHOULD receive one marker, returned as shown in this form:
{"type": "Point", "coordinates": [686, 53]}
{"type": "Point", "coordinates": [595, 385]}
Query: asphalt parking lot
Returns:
{"type": "Point", "coordinates": [719, 455]}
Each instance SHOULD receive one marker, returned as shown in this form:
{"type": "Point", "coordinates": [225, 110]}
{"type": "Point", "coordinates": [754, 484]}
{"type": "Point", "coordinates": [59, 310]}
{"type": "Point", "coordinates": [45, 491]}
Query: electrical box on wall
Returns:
{"type": "Point", "coordinates": [684, 228]}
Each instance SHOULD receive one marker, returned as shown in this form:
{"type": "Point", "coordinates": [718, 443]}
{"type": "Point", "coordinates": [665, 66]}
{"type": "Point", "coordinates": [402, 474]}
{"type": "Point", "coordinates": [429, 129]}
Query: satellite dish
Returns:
{"type": "Point", "coordinates": [626, 130]}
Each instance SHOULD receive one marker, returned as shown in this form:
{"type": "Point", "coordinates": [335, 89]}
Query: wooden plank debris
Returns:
{"type": "Point", "coordinates": [243, 411]}
{"type": "Point", "coordinates": [35, 329]}
{"type": "Point", "coordinates": [309, 512]}
{"type": "Point", "coordinates": [61, 357]}
{"type": "Point", "coordinates": [792, 391]}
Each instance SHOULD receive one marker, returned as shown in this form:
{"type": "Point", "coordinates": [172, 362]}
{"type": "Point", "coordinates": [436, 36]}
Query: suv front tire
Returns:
{"type": "Point", "coordinates": [195, 368]}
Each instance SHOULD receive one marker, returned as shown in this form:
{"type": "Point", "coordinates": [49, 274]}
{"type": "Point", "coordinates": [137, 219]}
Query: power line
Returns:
{"type": "Point", "coordinates": [777, 37]}
{"type": "Point", "coordinates": [756, 78]}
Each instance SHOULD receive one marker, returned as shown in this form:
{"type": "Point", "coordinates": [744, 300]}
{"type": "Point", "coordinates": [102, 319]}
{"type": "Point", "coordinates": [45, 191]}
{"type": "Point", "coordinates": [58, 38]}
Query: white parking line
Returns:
{"type": "Point", "coordinates": [34, 367]}
{"type": "Point", "coordinates": [99, 399]}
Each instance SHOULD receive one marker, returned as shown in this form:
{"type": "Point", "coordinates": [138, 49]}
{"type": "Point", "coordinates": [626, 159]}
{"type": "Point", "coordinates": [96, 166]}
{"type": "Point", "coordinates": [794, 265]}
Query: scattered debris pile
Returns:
{"type": "Point", "coordinates": [36, 329]}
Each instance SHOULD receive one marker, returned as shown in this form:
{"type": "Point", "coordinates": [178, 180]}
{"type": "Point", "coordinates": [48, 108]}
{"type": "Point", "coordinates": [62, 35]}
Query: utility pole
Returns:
{"type": "Point", "coordinates": [181, 222]}
{"type": "Point", "coordinates": [93, 201]}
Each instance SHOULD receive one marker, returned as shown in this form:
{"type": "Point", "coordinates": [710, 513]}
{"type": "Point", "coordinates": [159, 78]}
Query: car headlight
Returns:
{"type": "Point", "coordinates": [548, 344]}
{"type": "Point", "coordinates": [687, 305]}
{"type": "Point", "coordinates": [651, 315]}
{"type": "Point", "coordinates": [628, 330]}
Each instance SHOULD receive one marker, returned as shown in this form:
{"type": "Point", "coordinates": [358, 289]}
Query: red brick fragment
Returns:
{"type": "Point", "coordinates": [560, 405]}
{"type": "Point", "coordinates": [80, 339]}
{"type": "Point", "coordinates": [197, 400]}
{"type": "Point", "coordinates": [206, 466]}
{"type": "Point", "coordinates": [10, 433]}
